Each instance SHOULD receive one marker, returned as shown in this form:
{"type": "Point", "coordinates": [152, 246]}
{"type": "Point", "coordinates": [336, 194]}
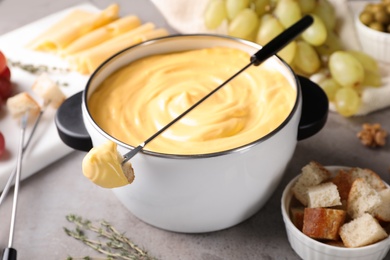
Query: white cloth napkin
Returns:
{"type": "Point", "coordinates": [187, 17]}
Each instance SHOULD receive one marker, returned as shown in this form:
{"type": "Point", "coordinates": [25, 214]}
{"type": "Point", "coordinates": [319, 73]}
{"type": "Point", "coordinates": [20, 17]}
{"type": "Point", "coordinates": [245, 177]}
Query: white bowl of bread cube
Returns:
{"type": "Point", "coordinates": [337, 212]}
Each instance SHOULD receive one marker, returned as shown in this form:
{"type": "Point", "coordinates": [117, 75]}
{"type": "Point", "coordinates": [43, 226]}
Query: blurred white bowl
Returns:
{"type": "Point", "coordinates": [374, 43]}
{"type": "Point", "coordinates": [308, 248]}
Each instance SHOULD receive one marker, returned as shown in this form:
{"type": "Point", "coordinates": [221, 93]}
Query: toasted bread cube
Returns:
{"type": "Point", "coordinates": [48, 90]}
{"type": "Point", "coordinates": [297, 214]}
{"type": "Point", "coordinates": [362, 231]}
{"type": "Point", "coordinates": [21, 103]}
{"type": "Point", "coordinates": [370, 176]}
{"type": "Point", "coordinates": [312, 174]}
{"type": "Point", "coordinates": [323, 223]}
{"type": "Point", "coordinates": [127, 168]}
{"type": "Point", "coordinates": [343, 180]}
{"type": "Point", "coordinates": [362, 198]}
{"type": "Point", "coordinates": [323, 195]}
{"type": "Point", "coordinates": [382, 212]}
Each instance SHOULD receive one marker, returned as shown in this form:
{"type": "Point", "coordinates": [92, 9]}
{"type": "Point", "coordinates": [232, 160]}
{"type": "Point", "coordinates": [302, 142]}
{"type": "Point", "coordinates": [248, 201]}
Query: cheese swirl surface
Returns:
{"type": "Point", "coordinates": [137, 100]}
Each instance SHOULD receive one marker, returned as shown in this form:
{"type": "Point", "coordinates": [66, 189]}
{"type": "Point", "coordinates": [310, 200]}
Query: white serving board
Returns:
{"type": "Point", "coordinates": [46, 146]}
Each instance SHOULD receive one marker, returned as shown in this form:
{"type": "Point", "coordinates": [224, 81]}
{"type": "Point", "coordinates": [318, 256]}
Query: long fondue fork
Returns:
{"type": "Point", "coordinates": [9, 253]}
{"type": "Point", "coordinates": [13, 173]}
{"type": "Point", "coordinates": [259, 57]}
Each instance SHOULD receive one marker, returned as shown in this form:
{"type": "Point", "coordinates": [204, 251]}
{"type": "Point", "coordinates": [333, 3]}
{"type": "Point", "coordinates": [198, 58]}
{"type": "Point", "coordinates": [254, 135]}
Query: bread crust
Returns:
{"type": "Point", "coordinates": [297, 215]}
{"type": "Point", "coordinates": [343, 180]}
{"type": "Point", "coordinates": [323, 223]}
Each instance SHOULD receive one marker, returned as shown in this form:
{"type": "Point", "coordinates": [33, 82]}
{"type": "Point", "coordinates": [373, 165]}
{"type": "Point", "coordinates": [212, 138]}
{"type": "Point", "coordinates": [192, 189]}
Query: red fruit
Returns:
{"type": "Point", "coordinates": [5, 89]}
{"type": "Point", "coordinates": [2, 144]}
{"type": "Point", "coordinates": [6, 73]}
{"type": "Point", "coordinates": [3, 62]}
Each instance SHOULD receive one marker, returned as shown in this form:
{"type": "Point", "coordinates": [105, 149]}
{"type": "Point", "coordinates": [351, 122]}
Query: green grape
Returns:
{"type": "Point", "coordinates": [266, 17]}
{"type": "Point", "coordinates": [288, 12]}
{"type": "Point", "coordinates": [307, 6]}
{"type": "Point", "coordinates": [244, 24]}
{"type": "Point", "coordinates": [320, 75]}
{"type": "Point", "coordinates": [316, 33]}
{"type": "Point", "coordinates": [233, 7]}
{"type": "Point", "coordinates": [269, 28]}
{"type": "Point", "coordinates": [346, 69]}
{"type": "Point", "coordinates": [332, 43]}
{"type": "Point", "coordinates": [347, 101]}
{"type": "Point", "coordinates": [288, 52]}
{"type": "Point", "coordinates": [273, 3]}
{"type": "Point", "coordinates": [372, 78]}
{"type": "Point", "coordinates": [261, 6]}
{"type": "Point", "coordinates": [372, 75]}
{"type": "Point", "coordinates": [214, 14]}
{"type": "Point", "coordinates": [306, 58]}
{"type": "Point", "coordinates": [330, 87]}
{"type": "Point", "coordinates": [325, 10]}
{"type": "Point", "coordinates": [366, 60]}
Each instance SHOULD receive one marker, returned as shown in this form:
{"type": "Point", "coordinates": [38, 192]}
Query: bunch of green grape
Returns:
{"type": "Point", "coordinates": [318, 50]}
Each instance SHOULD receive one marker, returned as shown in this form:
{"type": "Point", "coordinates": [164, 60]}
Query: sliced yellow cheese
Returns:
{"type": "Point", "coordinates": [144, 28]}
{"type": "Point", "coordinates": [87, 61]}
{"type": "Point", "coordinates": [102, 34]}
{"type": "Point", "coordinates": [74, 25]}
{"type": "Point", "coordinates": [154, 34]}
{"type": "Point", "coordinates": [97, 58]}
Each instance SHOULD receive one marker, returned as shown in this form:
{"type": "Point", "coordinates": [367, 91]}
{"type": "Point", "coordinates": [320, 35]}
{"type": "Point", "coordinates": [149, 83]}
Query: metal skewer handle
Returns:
{"type": "Point", "coordinates": [10, 253]}
{"type": "Point", "coordinates": [8, 185]}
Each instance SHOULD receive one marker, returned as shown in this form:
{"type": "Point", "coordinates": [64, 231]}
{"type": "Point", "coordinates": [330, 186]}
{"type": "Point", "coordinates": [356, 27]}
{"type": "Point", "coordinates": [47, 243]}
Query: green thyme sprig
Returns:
{"type": "Point", "coordinates": [116, 245]}
{"type": "Point", "coordinates": [37, 69]}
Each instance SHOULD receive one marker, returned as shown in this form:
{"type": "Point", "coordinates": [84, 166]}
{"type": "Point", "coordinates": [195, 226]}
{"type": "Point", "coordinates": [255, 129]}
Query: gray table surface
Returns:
{"type": "Point", "coordinates": [60, 189]}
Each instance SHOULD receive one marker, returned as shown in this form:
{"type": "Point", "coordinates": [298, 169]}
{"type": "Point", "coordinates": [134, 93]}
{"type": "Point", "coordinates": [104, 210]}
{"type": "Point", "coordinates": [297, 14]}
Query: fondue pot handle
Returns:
{"type": "Point", "coordinates": [72, 131]}
{"type": "Point", "coordinates": [315, 108]}
{"type": "Point", "coordinates": [70, 124]}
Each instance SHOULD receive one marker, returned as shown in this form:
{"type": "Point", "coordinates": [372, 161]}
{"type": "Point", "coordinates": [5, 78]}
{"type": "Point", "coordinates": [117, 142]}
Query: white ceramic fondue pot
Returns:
{"type": "Point", "coordinates": [204, 192]}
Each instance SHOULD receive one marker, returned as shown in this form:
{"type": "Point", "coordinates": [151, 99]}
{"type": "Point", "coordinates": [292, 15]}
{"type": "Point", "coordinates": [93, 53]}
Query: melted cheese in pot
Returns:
{"type": "Point", "coordinates": [139, 99]}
